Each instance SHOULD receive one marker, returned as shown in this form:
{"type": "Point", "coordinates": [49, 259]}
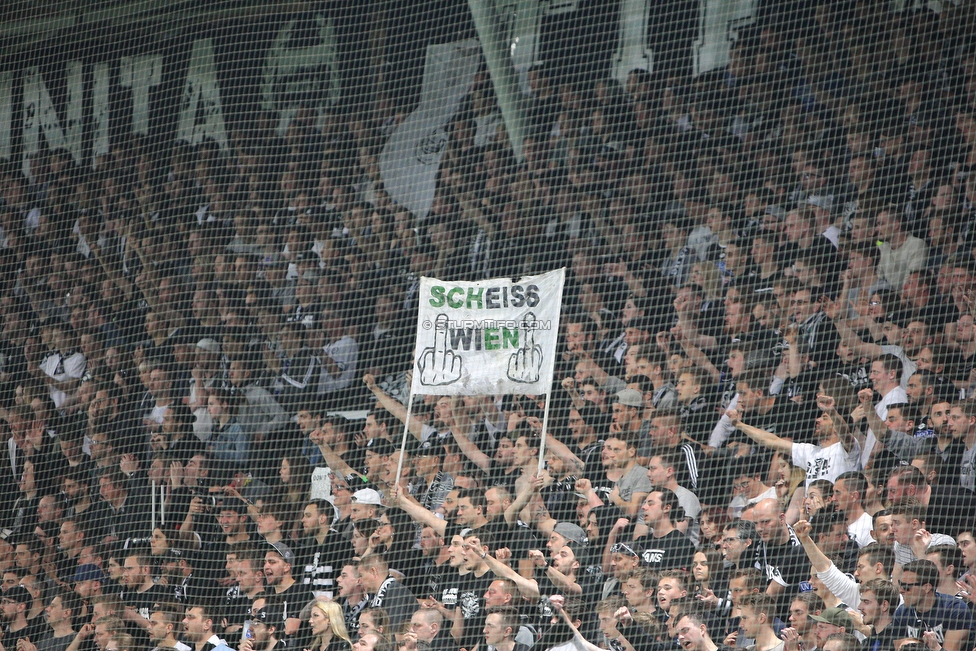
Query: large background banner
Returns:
{"type": "Point", "coordinates": [83, 92]}
{"type": "Point", "coordinates": [491, 337]}
{"type": "Point", "coordinates": [412, 156]}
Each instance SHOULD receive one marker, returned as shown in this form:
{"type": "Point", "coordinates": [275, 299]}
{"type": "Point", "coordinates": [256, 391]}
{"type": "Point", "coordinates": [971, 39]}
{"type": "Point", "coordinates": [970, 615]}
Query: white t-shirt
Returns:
{"type": "Point", "coordinates": [825, 463]}
{"type": "Point", "coordinates": [967, 471]}
{"type": "Point", "coordinates": [860, 530]}
{"type": "Point", "coordinates": [63, 368]}
{"type": "Point", "coordinates": [904, 553]}
{"type": "Point", "coordinates": [345, 353]}
{"type": "Point", "coordinates": [894, 396]}
{"type": "Point", "coordinates": [895, 266]}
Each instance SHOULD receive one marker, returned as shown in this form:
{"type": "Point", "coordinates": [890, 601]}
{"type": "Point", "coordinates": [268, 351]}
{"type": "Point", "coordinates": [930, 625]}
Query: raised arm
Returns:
{"type": "Point", "coordinates": [865, 409]}
{"type": "Point", "coordinates": [794, 364]}
{"type": "Point", "coordinates": [847, 335]}
{"type": "Point", "coordinates": [615, 530]}
{"type": "Point", "coordinates": [394, 406]}
{"type": "Point", "coordinates": [595, 370]}
{"type": "Point", "coordinates": [955, 640]}
{"type": "Point", "coordinates": [557, 605]}
{"type": "Point", "coordinates": [760, 436]}
{"type": "Point", "coordinates": [529, 588]}
{"type": "Point", "coordinates": [149, 283]}
{"type": "Point", "coordinates": [695, 354]}
{"type": "Point", "coordinates": [817, 558]}
{"type": "Point", "coordinates": [569, 384]}
{"type": "Point", "coordinates": [627, 507]}
{"type": "Point", "coordinates": [827, 404]}
{"type": "Point", "coordinates": [563, 582]}
{"type": "Point", "coordinates": [472, 451]}
{"type": "Point", "coordinates": [566, 455]}
{"type": "Point", "coordinates": [459, 415]}
{"type": "Point", "coordinates": [521, 500]}
{"type": "Point", "coordinates": [333, 460]}
{"type": "Point", "coordinates": [120, 280]}
{"type": "Point", "coordinates": [418, 512]}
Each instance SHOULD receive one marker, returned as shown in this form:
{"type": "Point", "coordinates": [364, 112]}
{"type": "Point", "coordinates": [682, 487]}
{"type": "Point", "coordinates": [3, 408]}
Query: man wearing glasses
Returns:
{"type": "Point", "coordinates": [747, 484]}
{"type": "Point", "coordinates": [928, 615]}
{"type": "Point", "coordinates": [14, 605]}
{"type": "Point", "coordinates": [738, 544]}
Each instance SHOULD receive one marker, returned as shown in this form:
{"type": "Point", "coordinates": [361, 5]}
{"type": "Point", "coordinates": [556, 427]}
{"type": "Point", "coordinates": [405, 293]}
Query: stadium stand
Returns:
{"type": "Point", "coordinates": [214, 223]}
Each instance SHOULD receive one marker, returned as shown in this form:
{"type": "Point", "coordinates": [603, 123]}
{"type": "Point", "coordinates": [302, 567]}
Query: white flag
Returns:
{"type": "Point", "coordinates": [490, 337]}
{"type": "Point", "coordinates": [411, 157]}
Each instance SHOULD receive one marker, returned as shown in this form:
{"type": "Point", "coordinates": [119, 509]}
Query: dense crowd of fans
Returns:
{"type": "Point", "coordinates": [762, 432]}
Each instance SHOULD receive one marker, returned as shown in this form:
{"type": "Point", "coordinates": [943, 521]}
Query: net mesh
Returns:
{"type": "Point", "coordinates": [223, 426]}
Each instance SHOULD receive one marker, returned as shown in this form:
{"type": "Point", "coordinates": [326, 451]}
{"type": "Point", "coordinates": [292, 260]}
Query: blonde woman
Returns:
{"type": "Point", "coordinates": [789, 482]}
{"type": "Point", "coordinates": [328, 628]}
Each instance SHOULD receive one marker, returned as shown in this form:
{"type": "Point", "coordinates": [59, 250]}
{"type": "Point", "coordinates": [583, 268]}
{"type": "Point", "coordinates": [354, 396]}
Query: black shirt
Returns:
{"type": "Point", "coordinates": [669, 552]}
{"type": "Point", "coordinates": [396, 599]}
{"type": "Point", "coordinates": [471, 601]}
{"type": "Point", "coordinates": [592, 458]}
{"type": "Point", "coordinates": [785, 564]}
{"type": "Point", "coordinates": [448, 586]}
{"type": "Point", "coordinates": [698, 418]}
{"type": "Point", "coordinates": [323, 563]}
{"type": "Point", "coordinates": [143, 602]}
{"type": "Point", "coordinates": [518, 538]}
{"type": "Point", "coordinates": [497, 476]}
{"type": "Point", "coordinates": [236, 606]}
{"type": "Point", "coordinates": [883, 641]}
{"type": "Point", "coordinates": [12, 637]}
{"type": "Point", "coordinates": [950, 508]}
{"type": "Point", "coordinates": [95, 519]}
{"type": "Point", "coordinates": [291, 602]}
{"type": "Point", "coordinates": [436, 578]}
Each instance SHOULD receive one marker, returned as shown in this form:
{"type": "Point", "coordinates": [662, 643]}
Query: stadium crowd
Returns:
{"type": "Point", "coordinates": [762, 433]}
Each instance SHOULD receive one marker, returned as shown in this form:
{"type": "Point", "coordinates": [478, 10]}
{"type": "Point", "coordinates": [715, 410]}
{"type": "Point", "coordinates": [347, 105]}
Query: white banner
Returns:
{"type": "Point", "coordinates": [491, 337]}
{"type": "Point", "coordinates": [411, 157]}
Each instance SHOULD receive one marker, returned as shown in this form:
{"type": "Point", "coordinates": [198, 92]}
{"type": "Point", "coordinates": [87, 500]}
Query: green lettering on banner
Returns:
{"type": "Point", "coordinates": [476, 296]}
{"type": "Point", "coordinates": [491, 339]}
{"type": "Point", "coordinates": [510, 338]}
{"type": "Point", "coordinates": [450, 298]}
{"type": "Point", "coordinates": [437, 296]}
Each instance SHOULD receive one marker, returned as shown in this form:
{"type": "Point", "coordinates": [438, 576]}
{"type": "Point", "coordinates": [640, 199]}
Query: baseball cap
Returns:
{"type": "Point", "coordinates": [623, 548]}
{"type": "Point", "coordinates": [209, 345]}
{"type": "Point", "coordinates": [571, 532]}
{"type": "Point", "coordinates": [284, 551]}
{"type": "Point", "coordinates": [177, 554]}
{"type": "Point", "coordinates": [836, 617]}
{"type": "Point", "coordinates": [380, 446]}
{"type": "Point", "coordinates": [269, 615]}
{"type": "Point", "coordinates": [630, 398]}
{"type": "Point", "coordinates": [89, 572]}
{"type": "Point", "coordinates": [367, 496]}
{"type": "Point", "coordinates": [19, 594]}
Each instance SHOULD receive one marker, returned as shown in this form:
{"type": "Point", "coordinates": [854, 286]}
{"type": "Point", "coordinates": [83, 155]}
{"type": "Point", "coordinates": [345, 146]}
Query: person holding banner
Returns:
{"type": "Point", "coordinates": [501, 467]}
{"type": "Point", "coordinates": [420, 430]}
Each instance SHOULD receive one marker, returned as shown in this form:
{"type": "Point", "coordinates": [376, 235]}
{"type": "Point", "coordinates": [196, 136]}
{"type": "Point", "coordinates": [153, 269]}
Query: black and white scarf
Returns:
{"type": "Point", "coordinates": [377, 601]}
